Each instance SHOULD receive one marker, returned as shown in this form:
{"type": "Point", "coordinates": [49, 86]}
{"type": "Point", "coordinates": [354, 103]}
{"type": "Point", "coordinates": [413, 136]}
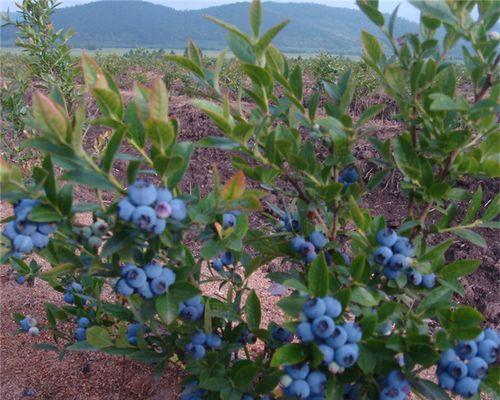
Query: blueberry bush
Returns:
{"type": "Point", "coordinates": [370, 307]}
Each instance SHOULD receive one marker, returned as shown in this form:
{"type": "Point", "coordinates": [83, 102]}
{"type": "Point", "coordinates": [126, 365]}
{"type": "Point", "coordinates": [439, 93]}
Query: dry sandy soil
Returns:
{"type": "Point", "coordinates": [26, 372]}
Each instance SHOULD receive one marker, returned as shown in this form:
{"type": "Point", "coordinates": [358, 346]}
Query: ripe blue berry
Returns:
{"type": "Point", "coordinates": [317, 382]}
{"type": "Point", "coordinates": [467, 387]}
{"type": "Point", "coordinates": [135, 278]}
{"type": "Point", "coordinates": [318, 240]}
{"type": "Point", "coordinates": [217, 264]}
{"type": "Point", "coordinates": [126, 268]}
{"type": "Point", "coordinates": [26, 228]}
{"type": "Point", "coordinates": [488, 351]}
{"type": "Point", "coordinates": [281, 334]}
{"type": "Point", "coordinates": [125, 209]}
{"type": "Point", "coordinates": [193, 301]}
{"type": "Point", "coordinates": [391, 273]}
{"type": "Point", "coordinates": [392, 393]}
{"type": "Point", "coordinates": [308, 252]}
{"type": "Point", "coordinates": [144, 217]}
{"type": "Point", "coordinates": [196, 351]}
{"type": "Point", "coordinates": [349, 175]}
{"type": "Point", "coordinates": [297, 371]}
{"type": "Point", "coordinates": [333, 308]}
{"type": "Point", "coordinates": [397, 380]}
{"type": "Point", "coordinates": [81, 334]}
{"type": "Point", "coordinates": [387, 237]}
{"type": "Point", "coordinates": [145, 291]}
{"type": "Point", "coordinates": [446, 358]}
{"type": "Point", "coordinates": [299, 388]}
{"type": "Point", "coordinates": [76, 287]}
{"type": "Point", "coordinates": [291, 223]}
{"type": "Point", "coordinates": [353, 331]}
{"type": "Point", "coordinates": [159, 285]}
{"type": "Point", "coordinates": [446, 381]}
{"type": "Point", "coordinates": [69, 298]}
{"type": "Point", "coordinates": [314, 308]}
{"type": "Point", "coordinates": [328, 353]}
{"type": "Point", "coordinates": [227, 258]}
{"type": "Point", "coordinates": [25, 324]}
{"type": "Point", "coordinates": [213, 341]}
{"type": "Point", "coordinates": [23, 244]}
{"type": "Point", "coordinates": [179, 210]}
{"type": "Point", "coordinates": [228, 220]}
{"type": "Point", "coordinates": [20, 279]}
{"type": "Point", "coordinates": [10, 230]}
{"type": "Point", "coordinates": [190, 313]}
{"type": "Point", "coordinates": [304, 332]}
{"type": "Point", "coordinates": [39, 240]}
{"type": "Point", "coordinates": [403, 246]}
{"type": "Point", "coordinates": [159, 226]}
{"type": "Point", "coordinates": [398, 262]}
{"type": "Point", "coordinates": [169, 277]}
{"type": "Point", "coordinates": [347, 355]}
{"type": "Point", "coordinates": [123, 288]}
{"type": "Point", "coordinates": [477, 368]}
{"type": "Point", "coordinates": [414, 277]}
{"type": "Point", "coordinates": [457, 369]}
{"type": "Point", "coordinates": [382, 255]}
{"type": "Point", "coordinates": [153, 270]}
{"type": "Point", "coordinates": [466, 350]}
{"type": "Point", "coordinates": [46, 228]}
{"type": "Point", "coordinates": [491, 334]}
{"type": "Point", "coordinates": [429, 280]}
{"type": "Point", "coordinates": [338, 338]}
{"type": "Point", "coordinates": [142, 193]}
{"type": "Point", "coordinates": [198, 337]}
{"type": "Point", "coordinates": [297, 243]}
{"type": "Point", "coordinates": [83, 322]}
{"type": "Point", "coordinates": [163, 195]}
{"type": "Point", "coordinates": [163, 210]}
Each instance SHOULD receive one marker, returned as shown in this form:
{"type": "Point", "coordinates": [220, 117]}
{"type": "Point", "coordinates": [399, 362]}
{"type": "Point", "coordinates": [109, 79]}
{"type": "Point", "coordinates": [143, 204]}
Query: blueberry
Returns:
{"type": "Point", "coordinates": [217, 264]}
{"type": "Point", "coordinates": [314, 308]}
{"type": "Point", "coordinates": [25, 326]}
{"type": "Point", "coordinates": [39, 240]}
{"type": "Point", "coordinates": [227, 258]}
{"type": "Point", "coordinates": [23, 244]}
{"type": "Point", "coordinates": [477, 368]}
{"type": "Point", "coordinates": [488, 351]}
{"type": "Point", "coordinates": [297, 371]}
{"type": "Point", "coordinates": [228, 220]}
{"type": "Point", "coordinates": [169, 277]}
{"type": "Point", "coordinates": [24, 207]}
{"type": "Point", "coordinates": [391, 273]}
{"type": "Point", "coordinates": [159, 226]}
{"type": "Point", "coordinates": [403, 246]}
{"type": "Point", "coordinates": [142, 193]}
{"type": "Point", "coordinates": [281, 334]}
{"type": "Point", "coordinates": [392, 393]}
{"type": "Point", "coordinates": [480, 337]}
{"type": "Point", "coordinates": [333, 308]}
{"type": "Point", "coordinates": [196, 351]}
{"type": "Point", "coordinates": [190, 313]}
{"type": "Point", "coordinates": [20, 279]}
{"type": "Point", "coordinates": [318, 240]}
{"type": "Point", "coordinates": [328, 353]}
{"type": "Point", "coordinates": [159, 285]}
{"type": "Point", "coordinates": [69, 298]}
{"type": "Point", "coordinates": [299, 388]}
{"type": "Point", "coordinates": [338, 338]}
{"type": "Point", "coordinates": [179, 210]}
{"type": "Point", "coordinates": [384, 328]}
{"type": "Point", "coordinates": [317, 382]}
{"type": "Point", "coordinates": [429, 280]}
{"type": "Point", "coordinates": [323, 326]}
{"type": "Point", "coordinates": [135, 278]}
{"type": "Point", "coordinates": [397, 379]}
{"type": "Point", "coordinates": [347, 355]}
{"type": "Point", "coordinates": [193, 301]}
{"type": "Point", "coordinates": [198, 337]}
{"type": "Point", "coordinates": [491, 334]}
{"type": "Point", "coordinates": [387, 237]}
{"type": "Point", "coordinates": [297, 242]}
{"type": "Point", "coordinates": [83, 322]}
{"type": "Point", "coordinates": [163, 209]}
{"type": "Point", "coordinates": [125, 209]}
{"type": "Point", "coordinates": [304, 332]}
{"type": "Point", "coordinates": [132, 340]}
{"type": "Point", "coordinates": [457, 369]}
{"type": "Point", "coordinates": [146, 291]}
{"type": "Point", "coordinates": [398, 262]}
{"type": "Point", "coordinates": [26, 228]}
{"type": "Point", "coordinates": [144, 217]}
{"type": "Point", "coordinates": [353, 331]}
{"type": "Point", "coordinates": [446, 381]}
{"type": "Point", "coordinates": [46, 228]}
{"type": "Point", "coordinates": [414, 277]}
{"type": "Point", "coordinates": [123, 288]}
{"type": "Point", "coordinates": [467, 387]}
{"type": "Point", "coordinates": [308, 252]}
{"type": "Point", "coordinates": [33, 331]}
{"type": "Point", "coordinates": [446, 358]}
{"type": "Point", "coordinates": [99, 228]}
{"type": "Point", "coordinates": [153, 270]}
{"type": "Point", "coordinates": [466, 350]}
{"type": "Point", "coordinates": [163, 195]}
{"type": "Point", "coordinates": [382, 255]}
{"type": "Point", "coordinates": [349, 175]}
{"type": "Point", "coordinates": [133, 329]}
{"type": "Point", "coordinates": [76, 287]}
{"type": "Point", "coordinates": [126, 268]}
{"type": "Point", "coordinates": [10, 231]}
{"type": "Point", "coordinates": [94, 242]}
{"type": "Point", "coordinates": [81, 334]}
{"type": "Point", "coordinates": [213, 341]}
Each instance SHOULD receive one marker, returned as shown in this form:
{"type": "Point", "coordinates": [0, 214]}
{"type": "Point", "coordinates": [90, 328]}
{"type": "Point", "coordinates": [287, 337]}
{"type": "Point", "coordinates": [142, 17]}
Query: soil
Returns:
{"type": "Point", "coordinates": [27, 372]}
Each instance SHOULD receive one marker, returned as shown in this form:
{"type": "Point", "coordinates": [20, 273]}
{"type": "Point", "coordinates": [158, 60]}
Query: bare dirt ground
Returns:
{"type": "Point", "coordinates": [30, 373]}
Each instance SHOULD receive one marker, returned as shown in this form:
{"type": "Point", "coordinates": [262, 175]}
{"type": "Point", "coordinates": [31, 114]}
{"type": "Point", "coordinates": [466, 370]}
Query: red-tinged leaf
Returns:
{"type": "Point", "coordinates": [235, 187]}
{"type": "Point", "coordinates": [49, 115]}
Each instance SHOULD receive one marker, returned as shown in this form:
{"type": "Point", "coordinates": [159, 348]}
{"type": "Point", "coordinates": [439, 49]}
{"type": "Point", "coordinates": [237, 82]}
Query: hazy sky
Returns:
{"type": "Point", "coordinates": [406, 10]}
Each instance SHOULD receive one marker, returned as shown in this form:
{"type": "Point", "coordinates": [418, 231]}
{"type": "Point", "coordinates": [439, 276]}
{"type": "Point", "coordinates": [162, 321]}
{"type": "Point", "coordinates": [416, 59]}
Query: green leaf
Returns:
{"type": "Point", "coordinates": [183, 291]}
{"type": "Point", "coordinates": [429, 389]}
{"type": "Point", "coordinates": [98, 337]}
{"type": "Point", "coordinates": [256, 16]}
{"type": "Point", "coordinates": [292, 353]}
{"type": "Point", "coordinates": [252, 310]}
{"type": "Point", "coordinates": [243, 373]}
{"type": "Point", "coordinates": [241, 48]}
{"type": "Point", "coordinates": [267, 37]}
{"type": "Point", "coordinates": [367, 359]}
{"type": "Point", "coordinates": [318, 277]}
{"type": "Point", "coordinates": [436, 297]}
{"type": "Point", "coordinates": [296, 82]}
{"type": "Point", "coordinates": [44, 213]}
{"type": "Point", "coordinates": [406, 157]}
{"type": "Point", "coordinates": [187, 64]}
{"type": "Point", "coordinates": [471, 236]}
{"type": "Point", "coordinates": [437, 251]}
{"type": "Point", "coordinates": [371, 47]}
{"type": "Point", "coordinates": [371, 12]}
{"type": "Point", "coordinates": [369, 114]}
{"type": "Point", "coordinates": [111, 149]}
{"type": "Point", "coordinates": [460, 268]}
{"type": "Point", "coordinates": [364, 296]}
{"type": "Point", "coordinates": [441, 102]}
{"type": "Point", "coordinates": [167, 307]}
{"type": "Point", "coordinates": [158, 101]}
{"type": "Point", "coordinates": [436, 9]}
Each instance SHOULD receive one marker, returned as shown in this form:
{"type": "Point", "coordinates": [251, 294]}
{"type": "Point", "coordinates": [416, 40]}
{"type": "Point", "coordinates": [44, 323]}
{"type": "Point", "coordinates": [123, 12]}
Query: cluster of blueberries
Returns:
{"type": "Point", "coordinates": [338, 343]}
{"type": "Point", "coordinates": [299, 381]}
{"type": "Point", "coordinates": [148, 207]}
{"type": "Point", "coordinates": [132, 331]}
{"type": "Point", "coordinates": [92, 235]}
{"type": "Point", "coordinates": [150, 281]}
{"type": "Point", "coordinates": [192, 392]}
{"type": "Point", "coordinates": [394, 254]}
{"type": "Point", "coordinates": [348, 176]}
{"type": "Point", "coordinates": [309, 249]}
{"type": "Point", "coordinates": [192, 309]}
{"type": "Point", "coordinates": [224, 260]}
{"type": "Point", "coordinates": [395, 387]}
{"type": "Point", "coordinates": [462, 369]}
{"type": "Point", "coordinates": [69, 293]}
{"type": "Point", "coordinates": [201, 342]}
{"type": "Point", "coordinates": [81, 331]}
{"type": "Point", "coordinates": [28, 325]}
{"type": "Point", "coordinates": [25, 234]}
{"type": "Point", "coordinates": [281, 334]}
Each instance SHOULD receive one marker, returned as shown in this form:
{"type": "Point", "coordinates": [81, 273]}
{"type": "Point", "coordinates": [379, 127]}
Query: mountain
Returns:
{"type": "Point", "coordinates": [122, 23]}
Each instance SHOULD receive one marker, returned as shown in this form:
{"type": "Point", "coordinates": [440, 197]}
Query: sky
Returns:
{"type": "Point", "coordinates": [406, 10]}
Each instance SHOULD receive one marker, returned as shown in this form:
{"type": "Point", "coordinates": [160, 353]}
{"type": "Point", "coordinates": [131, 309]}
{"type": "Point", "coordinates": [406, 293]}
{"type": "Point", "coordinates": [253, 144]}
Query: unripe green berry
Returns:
{"type": "Point", "coordinates": [99, 228]}
{"type": "Point", "coordinates": [286, 380]}
{"type": "Point", "coordinates": [94, 242]}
